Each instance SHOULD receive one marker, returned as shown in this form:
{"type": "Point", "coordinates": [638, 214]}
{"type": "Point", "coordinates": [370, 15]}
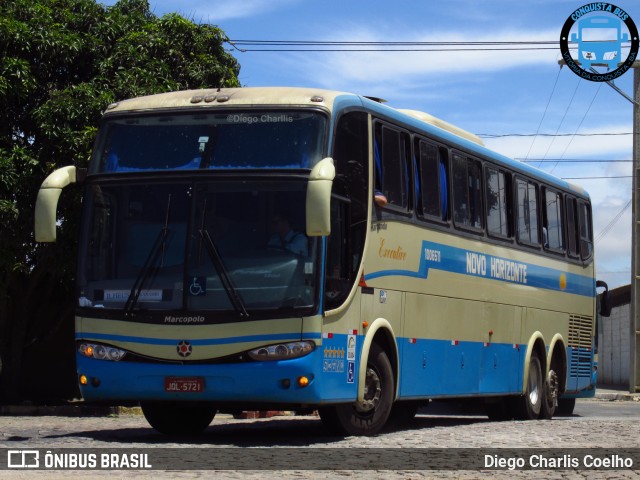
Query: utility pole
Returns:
{"type": "Point", "coordinates": [634, 364]}
{"type": "Point", "coordinates": [634, 337]}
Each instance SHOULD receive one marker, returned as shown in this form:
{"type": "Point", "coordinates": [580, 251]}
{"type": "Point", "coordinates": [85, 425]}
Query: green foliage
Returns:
{"type": "Point", "coordinates": [61, 63]}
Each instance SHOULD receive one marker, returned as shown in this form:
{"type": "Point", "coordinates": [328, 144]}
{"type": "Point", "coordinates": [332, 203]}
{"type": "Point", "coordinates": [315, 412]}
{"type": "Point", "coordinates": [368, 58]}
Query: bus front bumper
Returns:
{"type": "Point", "coordinates": [288, 382]}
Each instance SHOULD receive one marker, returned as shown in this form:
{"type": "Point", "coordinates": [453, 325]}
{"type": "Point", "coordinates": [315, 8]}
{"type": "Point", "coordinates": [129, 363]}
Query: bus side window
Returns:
{"type": "Point", "coordinates": [349, 206]}
{"type": "Point", "coordinates": [527, 203]}
{"type": "Point", "coordinates": [467, 192]}
{"type": "Point", "coordinates": [553, 221]}
{"type": "Point", "coordinates": [498, 201]}
{"type": "Point", "coordinates": [572, 227]}
{"type": "Point", "coordinates": [431, 181]}
{"type": "Point", "coordinates": [391, 151]}
{"type": "Point", "coordinates": [586, 230]}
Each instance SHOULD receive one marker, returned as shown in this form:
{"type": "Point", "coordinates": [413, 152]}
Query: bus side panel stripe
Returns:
{"type": "Point", "coordinates": [477, 264]}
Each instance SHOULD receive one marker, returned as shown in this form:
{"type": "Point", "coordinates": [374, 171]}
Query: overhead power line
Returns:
{"type": "Point", "coordinates": [545, 112]}
{"type": "Point", "coordinates": [577, 128]}
{"type": "Point", "coordinates": [254, 45]}
{"type": "Point", "coordinates": [247, 45]}
{"type": "Point", "coordinates": [613, 221]}
{"type": "Point", "coordinates": [377, 43]}
{"type": "Point", "coordinates": [597, 178]}
{"type": "Point", "coordinates": [500, 135]}
{"type": "Point", "coordinates": [569, 160]}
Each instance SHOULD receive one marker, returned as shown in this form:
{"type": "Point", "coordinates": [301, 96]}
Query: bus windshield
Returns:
{"type": "Point", "coordinates": [205, 245]}
{"type": "Point", "coordinates": [234, 139]}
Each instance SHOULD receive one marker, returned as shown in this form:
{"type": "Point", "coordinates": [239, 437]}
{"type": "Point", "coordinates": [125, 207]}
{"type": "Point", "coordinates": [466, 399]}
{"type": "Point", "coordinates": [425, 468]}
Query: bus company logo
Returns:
{"type": "Point", "coordinates": [599, 35]}
{"type": "Point", "coordinates": [23, 459]}
{"type": "Point", "coordinates": [184, 348]}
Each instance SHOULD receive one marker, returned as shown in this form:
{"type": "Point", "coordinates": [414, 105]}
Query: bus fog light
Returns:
{"type": "Point", "coordinates": [303, 382]}
{"type": "Point", "coordinates": [282, 351]}
{"type": "Point", "coordinates": [83, 380]}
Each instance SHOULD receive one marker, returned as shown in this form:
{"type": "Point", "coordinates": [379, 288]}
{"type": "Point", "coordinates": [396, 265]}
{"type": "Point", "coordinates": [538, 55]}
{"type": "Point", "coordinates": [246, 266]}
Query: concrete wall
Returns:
{"type": "Point", "coordinates": [613, 340]}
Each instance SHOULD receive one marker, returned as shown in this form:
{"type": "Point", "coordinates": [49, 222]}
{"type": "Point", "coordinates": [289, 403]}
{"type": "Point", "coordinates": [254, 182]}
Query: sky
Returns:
{"type": "Point", "coordinates": [523, 104]}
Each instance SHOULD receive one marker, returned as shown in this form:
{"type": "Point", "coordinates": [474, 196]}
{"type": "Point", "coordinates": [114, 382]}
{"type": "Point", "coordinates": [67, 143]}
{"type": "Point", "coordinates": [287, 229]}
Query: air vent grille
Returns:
{"type": "Point", "coordinates": [580, 331]}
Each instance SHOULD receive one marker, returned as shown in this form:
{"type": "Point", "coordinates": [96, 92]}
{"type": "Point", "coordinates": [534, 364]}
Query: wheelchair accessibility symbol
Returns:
{"type": "Point", "coordinates": [198, 286]}
{"type": "Point", "coordinates": [351, 372]}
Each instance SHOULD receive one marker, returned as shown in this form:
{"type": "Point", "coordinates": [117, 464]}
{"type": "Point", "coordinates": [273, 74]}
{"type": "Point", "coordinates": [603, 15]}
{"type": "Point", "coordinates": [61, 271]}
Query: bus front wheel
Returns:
{"type": "Point", "coordinates": [178, 418]}
{"type": "Point", "coordinates": [366, 417]}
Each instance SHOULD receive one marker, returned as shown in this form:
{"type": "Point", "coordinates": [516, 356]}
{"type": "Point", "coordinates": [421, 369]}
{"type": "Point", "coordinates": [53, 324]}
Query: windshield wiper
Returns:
{"type": "Point", "coordinates": [227, 283]}
{"type": "Point", "coordinates": [149, 263]}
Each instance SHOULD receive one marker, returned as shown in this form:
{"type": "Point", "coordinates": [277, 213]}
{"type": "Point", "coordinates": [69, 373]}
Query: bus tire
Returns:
{"type": "Point", "coordinates": [550, 394]}
{"type": "Point", "coordinates": [529, 405]}
{"type": "Point", "coordinates": [369, 416]}
{"type": "Point", "coordinates": [178, 418]}
{"type": "Point", "coordinates": [566, 406]}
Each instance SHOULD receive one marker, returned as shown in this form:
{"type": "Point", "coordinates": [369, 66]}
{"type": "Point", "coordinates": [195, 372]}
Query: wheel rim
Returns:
{"type": "Point", "coordinates": [372, 392]}
{"type": "Point", "coordinates": [534, 385]}
{"type": "Point", "coordinates": [553, 389]}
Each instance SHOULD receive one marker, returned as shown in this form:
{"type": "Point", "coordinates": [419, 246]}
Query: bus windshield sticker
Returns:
{"type": "Point", "coordinates": [154, 295]}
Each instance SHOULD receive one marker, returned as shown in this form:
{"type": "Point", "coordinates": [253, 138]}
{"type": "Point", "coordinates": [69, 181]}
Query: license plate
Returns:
{"type": "Point", "coordinates": [184, 384]}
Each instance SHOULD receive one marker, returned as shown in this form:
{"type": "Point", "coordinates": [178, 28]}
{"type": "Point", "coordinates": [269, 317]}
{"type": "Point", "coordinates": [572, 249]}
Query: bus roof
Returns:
{"type": "Point", "coordinates": [333, 101]}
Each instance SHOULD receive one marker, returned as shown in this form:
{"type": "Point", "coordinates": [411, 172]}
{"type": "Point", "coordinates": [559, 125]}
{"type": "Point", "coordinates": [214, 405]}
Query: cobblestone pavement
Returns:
{"type": "Point", "coordinates": [131, 431]}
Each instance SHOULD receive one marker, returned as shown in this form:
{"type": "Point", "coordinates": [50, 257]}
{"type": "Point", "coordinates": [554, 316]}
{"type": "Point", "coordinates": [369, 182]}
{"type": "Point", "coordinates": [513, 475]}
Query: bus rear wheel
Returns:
{"type": "Point", "coordinates": [550, 394]}
{"type": "Point", "coordinates": [173, 418]}
{"type": "Point", "coordinates": [528, 406]}
{"type": "Point", "coordinates": [366, 417]}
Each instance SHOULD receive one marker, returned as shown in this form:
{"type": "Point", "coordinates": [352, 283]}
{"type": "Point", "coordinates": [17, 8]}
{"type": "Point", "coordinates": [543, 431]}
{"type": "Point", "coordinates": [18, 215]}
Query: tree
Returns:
{"type": "Point", "coordinates": [61, 63]}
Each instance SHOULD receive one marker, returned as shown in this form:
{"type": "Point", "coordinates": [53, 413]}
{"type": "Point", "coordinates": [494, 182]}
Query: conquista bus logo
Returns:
{"type": "Point", "coordinates": [599, 35]}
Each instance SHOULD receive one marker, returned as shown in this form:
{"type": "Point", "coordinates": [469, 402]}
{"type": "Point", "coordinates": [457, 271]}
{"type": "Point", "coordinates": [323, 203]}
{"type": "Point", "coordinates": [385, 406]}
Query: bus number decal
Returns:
{"type": "Point", "coordinates": [431, 255]}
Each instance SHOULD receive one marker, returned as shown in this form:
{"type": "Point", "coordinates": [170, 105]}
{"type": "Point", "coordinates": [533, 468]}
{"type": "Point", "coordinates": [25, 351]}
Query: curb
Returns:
{"type": "Point", "coordinates": [67, 410]}
{"type": "Point", "coordinates": [618, 396]}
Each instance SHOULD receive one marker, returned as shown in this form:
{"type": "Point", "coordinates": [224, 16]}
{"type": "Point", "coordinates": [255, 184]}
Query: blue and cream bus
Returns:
{"type": "Point", "coordinates": [302, 249]}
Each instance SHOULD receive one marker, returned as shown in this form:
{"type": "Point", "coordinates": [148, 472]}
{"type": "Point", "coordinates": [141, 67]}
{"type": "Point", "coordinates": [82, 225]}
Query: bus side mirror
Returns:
{"type": "Point", "coordinates": [605, 307]}
{"type": "Point", "coordinates": [318, 203]}
{"type": "Point", "coordinates": [47, 202]}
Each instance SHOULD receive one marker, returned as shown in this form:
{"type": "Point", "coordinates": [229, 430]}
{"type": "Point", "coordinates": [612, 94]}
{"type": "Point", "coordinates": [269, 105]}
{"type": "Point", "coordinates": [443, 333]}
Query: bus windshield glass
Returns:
{"type": "Point", "coordinates": [283, 139]}
{"type": "Point", "coordinates": [205, 245]}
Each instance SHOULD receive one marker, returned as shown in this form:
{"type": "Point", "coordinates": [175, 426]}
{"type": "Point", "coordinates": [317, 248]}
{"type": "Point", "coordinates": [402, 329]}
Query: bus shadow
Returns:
{"type": "Point", "coordinates": [278, 432]}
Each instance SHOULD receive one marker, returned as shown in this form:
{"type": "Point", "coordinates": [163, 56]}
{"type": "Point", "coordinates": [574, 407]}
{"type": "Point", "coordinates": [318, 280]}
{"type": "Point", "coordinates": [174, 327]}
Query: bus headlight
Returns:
{"type": "Point", "coordinates": [101, 352]}
{"type": "Point", "coordinates": [282, 351]}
